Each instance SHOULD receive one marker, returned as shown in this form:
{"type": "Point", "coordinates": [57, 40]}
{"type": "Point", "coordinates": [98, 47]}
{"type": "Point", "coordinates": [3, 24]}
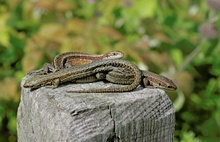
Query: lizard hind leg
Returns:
{"type": "Point", "coordinates": [48, 68]}
{"type": "Point", "coordinates": [100, 75]}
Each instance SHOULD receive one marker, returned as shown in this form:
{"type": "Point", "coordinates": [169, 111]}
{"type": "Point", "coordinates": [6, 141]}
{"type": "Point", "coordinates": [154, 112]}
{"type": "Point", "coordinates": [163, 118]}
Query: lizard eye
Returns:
{"type": "Point", "coordinates": [171, 87]}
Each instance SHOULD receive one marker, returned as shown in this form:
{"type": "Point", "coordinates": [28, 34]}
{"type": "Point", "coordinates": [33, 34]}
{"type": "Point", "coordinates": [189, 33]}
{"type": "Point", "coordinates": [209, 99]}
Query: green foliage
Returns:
{"type": "Point", "coordinates": [165, 36]}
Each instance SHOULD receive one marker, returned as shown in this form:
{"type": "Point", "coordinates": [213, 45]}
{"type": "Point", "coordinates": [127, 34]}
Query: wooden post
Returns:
{"type": "Point", "coordinates": [52, 115]}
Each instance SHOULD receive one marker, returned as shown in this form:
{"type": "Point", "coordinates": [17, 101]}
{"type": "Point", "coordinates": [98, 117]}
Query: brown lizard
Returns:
{"type": "Point", "coordinates": [149, 79]}
{"type": "Point", "coordinates": [83, 71]}
{"type": "Point", "coordinates": [118, 76]}
{"type": "Point", "coordinates": [69, 59]}
{"type": "Point", "coordinates": [122, 76]}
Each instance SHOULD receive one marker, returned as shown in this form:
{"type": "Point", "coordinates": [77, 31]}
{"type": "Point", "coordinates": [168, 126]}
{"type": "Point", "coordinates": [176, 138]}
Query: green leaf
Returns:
{"type": "Point", "coordinates": [177, 56]}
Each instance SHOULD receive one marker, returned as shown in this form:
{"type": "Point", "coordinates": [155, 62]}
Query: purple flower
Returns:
{"type": "Point", "coordinates": [208, 30]}
{"type": "Point", "coordinates": [214, 4]}
{"type": "Point", "coordinates": [91, 1]}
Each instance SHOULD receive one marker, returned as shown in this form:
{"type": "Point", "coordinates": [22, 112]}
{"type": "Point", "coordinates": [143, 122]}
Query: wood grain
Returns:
{"type": "Point", "coordinates": [47, 115]}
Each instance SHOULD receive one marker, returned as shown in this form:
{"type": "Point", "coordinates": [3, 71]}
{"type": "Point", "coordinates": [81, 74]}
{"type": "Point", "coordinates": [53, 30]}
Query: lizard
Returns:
{"type": "Point", "coordinates": [69, 59]}
{"type": "Point", "coordinates": [121, 76]}
{"type": "Point", "coordinates": [149, 79]}
{"type": "Point", "coordinates": [78, 72]}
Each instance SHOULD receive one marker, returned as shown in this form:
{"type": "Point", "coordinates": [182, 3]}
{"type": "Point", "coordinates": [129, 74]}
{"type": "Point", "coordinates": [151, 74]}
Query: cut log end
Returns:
{"type": "Point", "coordinates": [49, 114]}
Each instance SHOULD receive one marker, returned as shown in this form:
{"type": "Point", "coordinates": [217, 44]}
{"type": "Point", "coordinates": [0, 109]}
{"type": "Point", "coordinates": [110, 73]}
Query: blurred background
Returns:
{"type": "Point", "coordinates": [178, 39]}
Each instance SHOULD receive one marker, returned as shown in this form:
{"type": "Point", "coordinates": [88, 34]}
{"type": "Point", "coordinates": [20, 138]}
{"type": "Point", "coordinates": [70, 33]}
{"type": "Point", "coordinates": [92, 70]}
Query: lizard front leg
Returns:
{"type": "Point", "coordinates": [52, 84]}
{"type": "Point", "coordinates": [55, 83]}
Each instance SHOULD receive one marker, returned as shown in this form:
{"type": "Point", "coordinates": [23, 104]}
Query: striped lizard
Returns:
{"type": "Point", "coordinates": [119, 76]}
{"type": "Point", "coordinates": [68, 59]}
{"type": "Point", "coordinates": [83, 71]}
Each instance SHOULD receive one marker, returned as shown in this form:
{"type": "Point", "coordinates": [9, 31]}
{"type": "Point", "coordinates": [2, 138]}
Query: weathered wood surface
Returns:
{"type": "Point", "coordinates": [52, 115]}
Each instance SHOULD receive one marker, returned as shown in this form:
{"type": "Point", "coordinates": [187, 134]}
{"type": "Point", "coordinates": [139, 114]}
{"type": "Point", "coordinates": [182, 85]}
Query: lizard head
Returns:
{"type": "Point", "coordinates": [113, 55]}
{"type": "Point", "coordinates": [33, 82]}
{"type": "Point", "coordinates": [157, 81]}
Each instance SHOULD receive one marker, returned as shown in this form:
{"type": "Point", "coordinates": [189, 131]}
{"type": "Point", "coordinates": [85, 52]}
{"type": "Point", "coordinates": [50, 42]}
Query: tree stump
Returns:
{"type": "Point", "coordinates": [53, 115]}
